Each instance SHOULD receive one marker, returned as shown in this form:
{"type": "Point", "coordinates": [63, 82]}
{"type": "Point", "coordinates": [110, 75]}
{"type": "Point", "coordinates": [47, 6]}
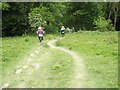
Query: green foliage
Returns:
{"type": "Point", "coordinates": [80, 12]}
{"type": "Point", "coordinates": [83, 14]}
{"type": "Point", "coordinates": [24, 17]}
{"type": "Point", "coordinates": [104, 25]}
{"type": "Point", "coordinates": [47, 16]}
{"type": "Point", "coordinates": [56, 67]}
{"type": "Point", "coordinates": [4, 6]}
{"type": "Point", "coordinates": [15, 20]}
{"type": "Point", "coordinates": [37, 17]}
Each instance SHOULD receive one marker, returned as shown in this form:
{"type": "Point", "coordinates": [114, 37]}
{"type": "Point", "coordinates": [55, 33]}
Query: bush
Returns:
{"type": "Point", "coordinates": [104, 25]}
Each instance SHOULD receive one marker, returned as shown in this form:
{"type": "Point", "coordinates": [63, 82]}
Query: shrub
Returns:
{"type": "Point", "coordinates": [104, 25]}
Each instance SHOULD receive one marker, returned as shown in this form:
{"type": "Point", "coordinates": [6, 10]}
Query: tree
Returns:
{"type": "Point", "coordinates": [113, 12]}
{"type": "Point", "coordinates": [19, 17]}
{"type": "Point", "coordinates": [15, 18]}
{"type": "Point", "coordinates": [115, 7]}
{"type": "Point", "coordinates": [48, 15]}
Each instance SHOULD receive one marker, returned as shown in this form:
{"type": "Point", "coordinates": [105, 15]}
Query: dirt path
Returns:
{"type": "Point", "coordinates": [23, 70]}
{"type": "Point", "coordinates": [79, 72]}
{"type": "Point", "coordinates": [32, 65]}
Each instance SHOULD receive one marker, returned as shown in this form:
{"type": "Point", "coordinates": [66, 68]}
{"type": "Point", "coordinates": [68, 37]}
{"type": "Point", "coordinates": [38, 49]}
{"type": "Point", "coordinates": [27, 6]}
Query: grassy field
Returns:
{"type": "Point", "coordinates": [52, 68]}
{"type": "Point", "coordinates": [14, 48]}
{"type": "Point", "coordinates": [46, 70]}
{"type": "Point", "coordinates": [100, 53]}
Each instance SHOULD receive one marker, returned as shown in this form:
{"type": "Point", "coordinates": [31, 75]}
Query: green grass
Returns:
{"type": "Point", "coordinates": [61, 69]}
{"type": "Point", "coordinates": [14, 49]}
{"type": "Point", "coordinates": [55, 69]}
{"type": "Point", "coordinates": [100, 53]}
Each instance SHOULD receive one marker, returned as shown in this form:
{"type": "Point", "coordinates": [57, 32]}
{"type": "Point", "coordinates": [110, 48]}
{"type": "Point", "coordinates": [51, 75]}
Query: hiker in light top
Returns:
{"type": "Point", "coordinates": [68, 30]}
{"type": "Point", "coordinates": [40, 34]}
{"type": "Point", "coordinates": [62, 30]}
{"type": "Point", "coordinates": [73, 29]}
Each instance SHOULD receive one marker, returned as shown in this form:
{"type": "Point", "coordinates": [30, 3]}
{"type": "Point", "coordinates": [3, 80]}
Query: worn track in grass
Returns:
{"type": "Point", "coordinates": [79, 72]}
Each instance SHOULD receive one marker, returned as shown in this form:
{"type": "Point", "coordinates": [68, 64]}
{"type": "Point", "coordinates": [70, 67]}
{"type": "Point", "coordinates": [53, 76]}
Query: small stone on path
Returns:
{"type": "Point", "coordinates": [25, 66]}
{"type": "Point", "coordinates": [18, 71]}
{"type": "Point", "coordinates": [36, 65]}
{"type": "Point", "coordinates": [36, 51]}
{"type": "Point", "coordinates": [46, 53]}
{"type": "Point", "coordinates": [29, 59]}
{"type": "Point", "coordinates": [38, 48]}
{"type": "Point", "coordinates": [5, 85]}
{"type": "Point", "coordinates": [32, 55]}
{"type": "Point", "coordinates": [22, 85]}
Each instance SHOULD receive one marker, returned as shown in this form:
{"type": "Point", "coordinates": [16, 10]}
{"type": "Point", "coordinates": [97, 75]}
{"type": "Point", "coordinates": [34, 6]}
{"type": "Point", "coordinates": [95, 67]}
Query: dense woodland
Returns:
{"type": "Point", "coordinates": [19, 18]}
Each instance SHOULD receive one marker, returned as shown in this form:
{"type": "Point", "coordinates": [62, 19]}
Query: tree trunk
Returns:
{"type": "Point", "coordinates": [115, 19]}
{"type": "Point", "coordinates": [110, 10]}
{"type": "Point", "coordinates": [109, 15]}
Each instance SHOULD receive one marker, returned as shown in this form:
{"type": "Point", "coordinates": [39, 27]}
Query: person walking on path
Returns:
{"type": "Point", "coordinates": [73, 29]}
{"type": "Point", "coordinates": [68, 30]}
{"type": "Point", "coordinates": [79, 29]}
{"type": "Point", "coordinates": [62, 31]}
{"type": "Point", "coordinates": [40, 34]}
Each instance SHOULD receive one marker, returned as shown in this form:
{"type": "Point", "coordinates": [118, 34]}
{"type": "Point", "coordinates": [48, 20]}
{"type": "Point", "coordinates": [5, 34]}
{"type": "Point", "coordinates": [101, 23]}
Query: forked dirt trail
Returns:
{"type": "Point", "coordinates": [79, 72]}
